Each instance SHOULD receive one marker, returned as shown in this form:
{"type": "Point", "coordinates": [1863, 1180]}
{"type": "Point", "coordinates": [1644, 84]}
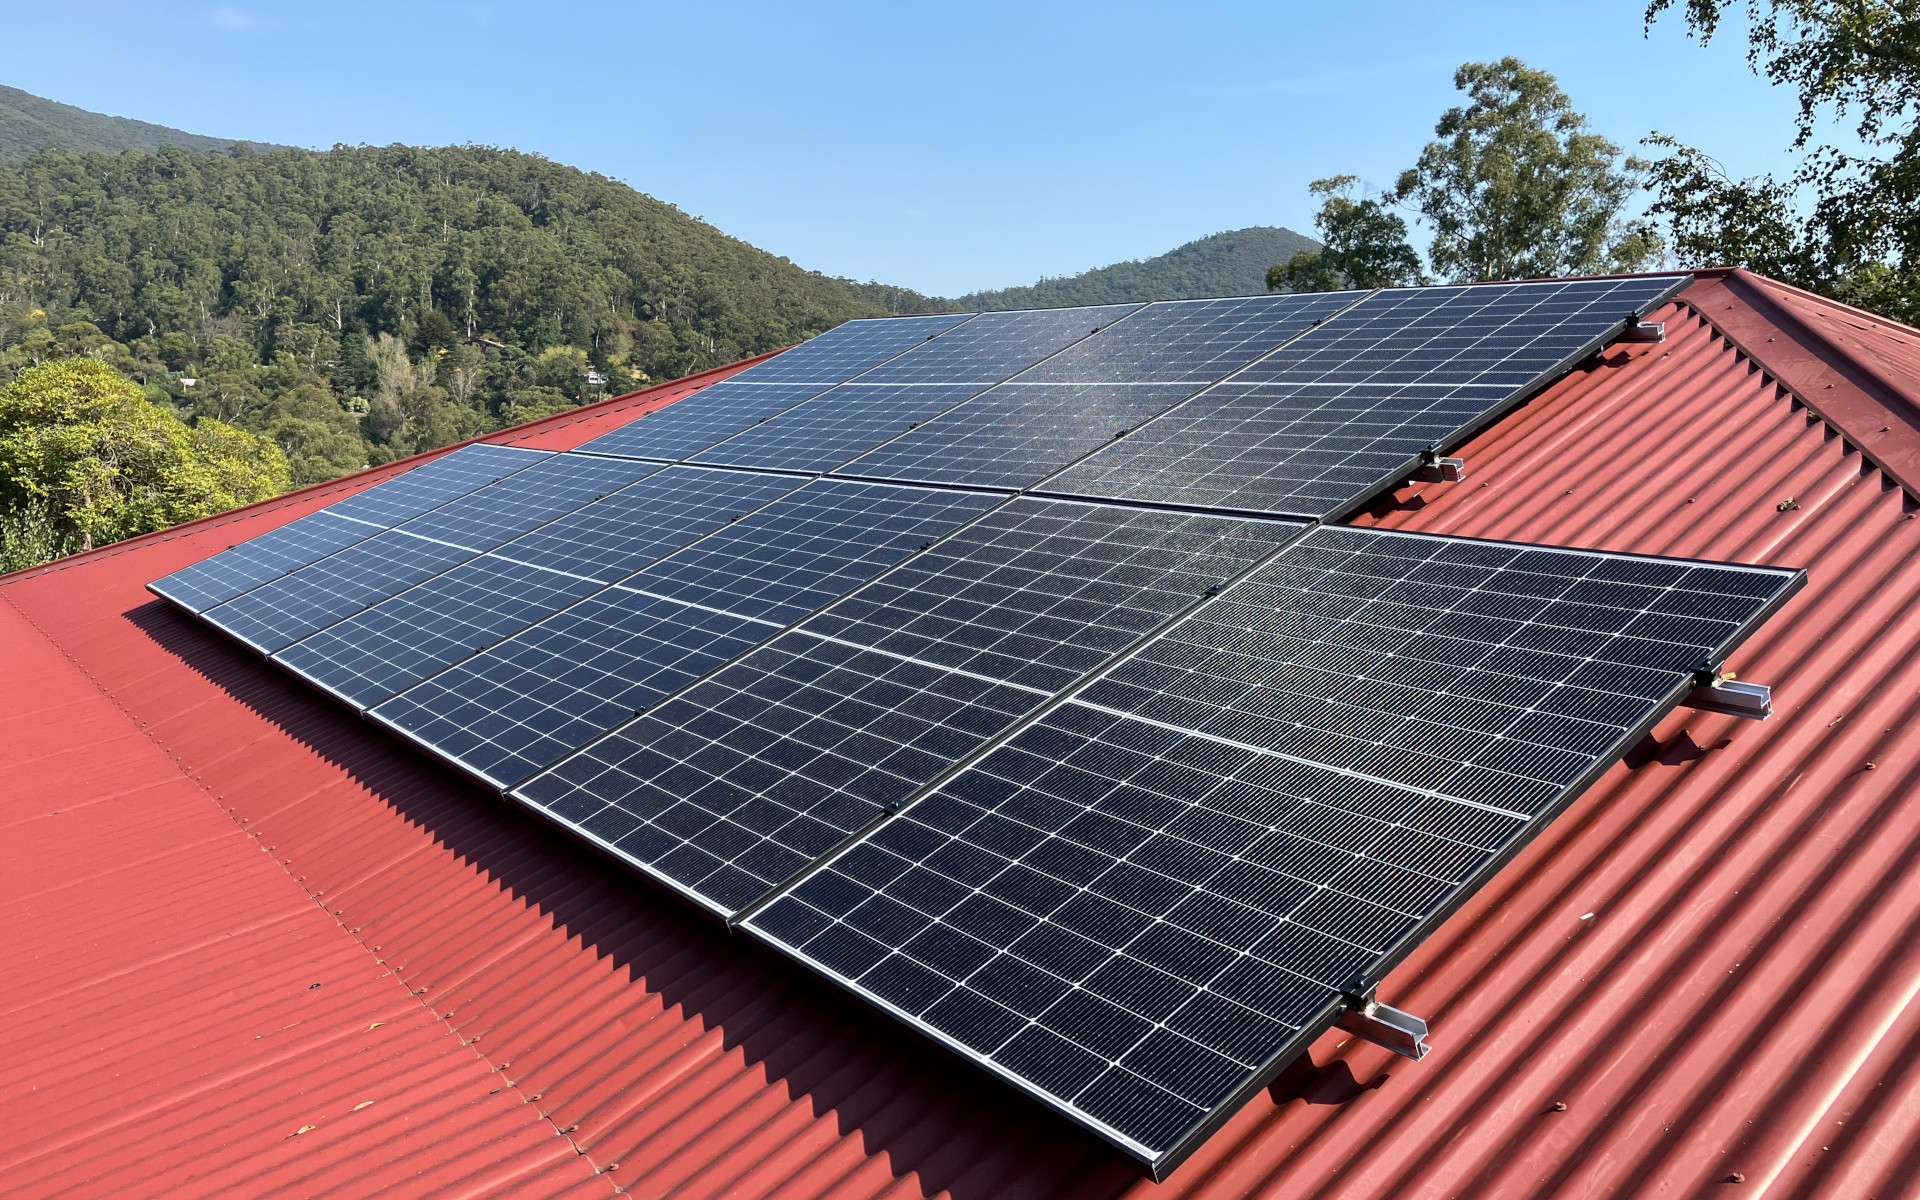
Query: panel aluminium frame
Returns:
{"type": "Point", "coordinates": [1105, 473]}
{"type": "Point", "coordinates": [1158, 1161]}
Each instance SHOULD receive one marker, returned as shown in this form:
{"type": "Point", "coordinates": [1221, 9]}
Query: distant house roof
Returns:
{"type": "Point", "coordinates": [257, 946]}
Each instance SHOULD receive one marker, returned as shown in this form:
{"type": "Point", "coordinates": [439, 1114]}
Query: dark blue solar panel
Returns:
{"type": "Point", "coordinates": [530, 700]}
{"type": "Point", "coordinates": [1345, 409]}
{"type": "Point", "coordinates": [846, 350]}
{"type": "Point", "coordinates": [1017, 434]}
{"type": "Point", "coordinates": [316, 535]}
{"type": "Point", "coordinates": [996, 345]}
{"type": "Point", "coordinates": [1143, 905]}
{"type": "Point", "coordinates": [810, 548]}
{"type": "Point", "coordinates": [425, 629]}
{"type": "Point", "coordinates": [277, 614]}
{"type": "Point", "coordinates": [727, 788]}
{"type": "Point", "coordinates": [835, 426]}
{"type": "Point", "coordinates": [614, 537]}
{"type": "Point", "coordinates": [689, 426]}
{"type": "Point", "coordinates": [686, 427]}
{"type": "Point", "coordinates": [1189, 341]}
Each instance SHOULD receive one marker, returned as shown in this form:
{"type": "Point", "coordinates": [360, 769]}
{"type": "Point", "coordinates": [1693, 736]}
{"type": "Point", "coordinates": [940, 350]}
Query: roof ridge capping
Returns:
{"type": "Point", "coordinates": [1877, 409]}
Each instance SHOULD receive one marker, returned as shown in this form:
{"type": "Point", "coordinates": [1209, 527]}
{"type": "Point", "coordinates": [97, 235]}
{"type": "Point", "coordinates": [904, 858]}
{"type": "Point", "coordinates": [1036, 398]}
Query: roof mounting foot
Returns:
{"type": "Point", "coordinates": [1644, 331]}
{"type": "Point", "coordinates": [1435, 469]}
{"type": "Point", "coordinates": [1401, 1032]}
{"type": "Point", "coordinates": [1717, 693]}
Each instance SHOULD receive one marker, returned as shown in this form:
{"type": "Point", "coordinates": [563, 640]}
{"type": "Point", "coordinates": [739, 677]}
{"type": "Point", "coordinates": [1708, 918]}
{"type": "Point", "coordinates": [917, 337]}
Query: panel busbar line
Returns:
{"type": "Point", "coordinates": [308, 539]}
{"type": "Point", "coordinates": [1017, 434]}
{"type": "Point", "coordinates": [1323, 423]}
{"type": "Point", "coordinates": [731, 787]}
{"type": "Point", "coordinates": [761, 391]}
{"type": "Point", "coordinates": [534, 698]}
{"type": "Point", "coordinates": [431, 626]}
{"type": "Point", "coordinates": [277, 614]}
{"type": "Point", "coordinates": [1143, 905]}
{"type": "Point", "coordinates": [903, 392]}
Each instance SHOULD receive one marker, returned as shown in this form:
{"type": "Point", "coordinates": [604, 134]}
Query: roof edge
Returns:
{"type": "Point", "coordinates": [664, 393]}
{"type": "Point", "coordinates": [1876, 414]}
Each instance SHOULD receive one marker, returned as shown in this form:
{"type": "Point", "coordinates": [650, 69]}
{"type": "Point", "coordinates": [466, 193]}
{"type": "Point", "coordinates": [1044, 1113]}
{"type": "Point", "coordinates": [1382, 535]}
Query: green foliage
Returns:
{"type": "Point", "coordinates": [1365, 246]}
{"type": "Point", "coordinates": [1517, 187]}
{"type": "Point", "coordinates": [86, 459]}
{"type": "Point", "coordinates": [1859, 237]}
{"type": "Point", "coordinates": [362, 304]}
{"type": "Point", "coordinates": [1226, 264]}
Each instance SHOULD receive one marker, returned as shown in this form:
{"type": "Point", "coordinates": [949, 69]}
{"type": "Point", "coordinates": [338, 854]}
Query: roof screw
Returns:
{"type": "Point", "coordinates": [1559, 1106]}
{"type": "Point", "coordinates": [1869, 766]}
{"type": "Point", "coordinates": [1736, 1177]}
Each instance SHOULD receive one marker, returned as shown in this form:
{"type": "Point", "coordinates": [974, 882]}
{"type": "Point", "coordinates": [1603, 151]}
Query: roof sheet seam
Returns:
{"type": "Point", "coordinates": [471, 1044]}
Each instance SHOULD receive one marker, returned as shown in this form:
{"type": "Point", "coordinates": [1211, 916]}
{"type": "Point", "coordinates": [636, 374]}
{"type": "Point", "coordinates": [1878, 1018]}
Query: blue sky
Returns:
{"type": "Point", "coordinates": [942, 147]}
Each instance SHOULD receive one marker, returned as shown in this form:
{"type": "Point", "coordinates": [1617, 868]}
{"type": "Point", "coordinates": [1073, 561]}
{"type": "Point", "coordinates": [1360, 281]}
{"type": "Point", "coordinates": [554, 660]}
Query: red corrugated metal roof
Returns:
{"type": "Point", "coordinates": [1738, 1000]}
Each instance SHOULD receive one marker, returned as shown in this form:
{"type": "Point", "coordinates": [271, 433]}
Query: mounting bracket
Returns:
{"type": "Point", "coordinates": [1645, 331]}
{"type": "Point", "coordinates": [1401, 1032]}
{"type": "Point", "coordinates": [1715, 693]}
{"type": "Point", "coordinates": [1435, 469]}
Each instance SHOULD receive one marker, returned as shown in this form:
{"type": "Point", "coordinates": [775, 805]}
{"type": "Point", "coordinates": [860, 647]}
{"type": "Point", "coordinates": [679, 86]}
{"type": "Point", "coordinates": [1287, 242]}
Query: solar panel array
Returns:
{"type": "Point", "coordinates": [1323, 421]}
{"type": "Point", "coordinates": [1146, 896]}
{"type": "Point", "coordinates": [1001, 669]}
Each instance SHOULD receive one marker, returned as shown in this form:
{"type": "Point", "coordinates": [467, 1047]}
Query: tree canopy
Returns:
{"type": "Point", "coordinates": [1517, 186]}
{"type": "Point", "coordinates": [86, 459]}
{"type": "Point", "coordinates": [1844, 223]}
{"type": "Point", "coordinates": [1365, 245]}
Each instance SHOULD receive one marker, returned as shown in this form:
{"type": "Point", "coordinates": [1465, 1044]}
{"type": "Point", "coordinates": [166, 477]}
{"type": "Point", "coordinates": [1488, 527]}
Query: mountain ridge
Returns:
{"type": "Point", "coordinates": [29, 123]}
{"type": "Point", "coordinates": [1231, 263]}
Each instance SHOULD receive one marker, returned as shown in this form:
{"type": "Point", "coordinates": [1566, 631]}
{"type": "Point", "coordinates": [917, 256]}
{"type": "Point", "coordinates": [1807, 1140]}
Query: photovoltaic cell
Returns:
{"type": "Point", "coordinates": [1016, 435]}
{"type": "Point", "coordinates": [1144, 904]}
{"type": "Point", "coordinates": [996, 345]}
{"type": "Point", "coordinates": [440, 621]}
{"type": "Point", "coordinates": [810, 548]}
{"type": "Point", "coordinates": [837, 425]}
{"type": "Point", "coordinates": [846, 350]}
{"type": "Point", "coordinates": [528, 701]}
{"type": "Point", "coordinates": [1077, 401]}
{"type": "Point", "coordinates": [1189, 341]}
{"type": "Point", "coordinates": [726, 789]}
{"type": "Point", "coordinates": [277, 614]}
{"type": "Point", "coordinates": [537, 697]}
{"type": "Point", "coordinates": [316, 535]}
{"type": "Point", "coordinates": [425, 629]}
{"type": "Point", "coordinates": [1344, 409]}
{"type": "Point", "coordinates": [688, 426]}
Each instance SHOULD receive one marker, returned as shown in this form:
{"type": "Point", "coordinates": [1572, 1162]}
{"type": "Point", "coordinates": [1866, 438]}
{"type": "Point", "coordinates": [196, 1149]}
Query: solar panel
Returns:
{"type": "Point", "coordinates": [1076, 401]}
{"type": "Point", "coordinates": [726, 789]}
{"type": "Point", "coordinates": [573, 677]}
{"type": "Point", "coordinates": [1190, 341]}
{"type": "Point", "coordinates": [277, 614]}
{"type": "Point", "coordinates": [897, 396]}
{"type": "Point", "coordinates": [1143, 905]}
{"type": "Point", "coordinates": [1347, 408]}
{"type": "Point", "coordinates": [1017, 434]}
{"type": "Point", "coordinates": [310, 538]}
{"type": "Point", "coordinates": [418, 632]}
{"type": "Point", "coordinates": [846, 350]}
{"type": "Point", "coordinates": [688, 426]}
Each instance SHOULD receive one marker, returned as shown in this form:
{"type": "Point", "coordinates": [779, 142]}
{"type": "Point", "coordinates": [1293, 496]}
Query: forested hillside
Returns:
{"type": "Point", "coordinates": [29, 123]}
{"type": "Point", "coordinates": [364, 303]}
{"type": "Point", "coordinates": [1226, 264]}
